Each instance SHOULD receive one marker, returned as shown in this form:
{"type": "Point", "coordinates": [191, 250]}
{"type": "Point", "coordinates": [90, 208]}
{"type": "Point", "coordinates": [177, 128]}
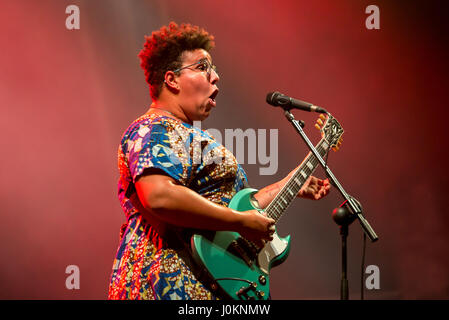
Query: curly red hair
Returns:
{"type": "Point", "coordinates": [163, 49]}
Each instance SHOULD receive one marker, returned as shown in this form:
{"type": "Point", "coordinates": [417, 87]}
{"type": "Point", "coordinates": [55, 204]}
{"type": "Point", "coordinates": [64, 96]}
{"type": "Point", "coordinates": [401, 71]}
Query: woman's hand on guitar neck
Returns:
{"type": "Point", "coordinates": [314, 188]}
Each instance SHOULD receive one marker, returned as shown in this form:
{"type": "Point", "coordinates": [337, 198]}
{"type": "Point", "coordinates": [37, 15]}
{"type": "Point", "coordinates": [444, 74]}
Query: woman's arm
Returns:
{"type": "Point", "coordinates": [161, 197]}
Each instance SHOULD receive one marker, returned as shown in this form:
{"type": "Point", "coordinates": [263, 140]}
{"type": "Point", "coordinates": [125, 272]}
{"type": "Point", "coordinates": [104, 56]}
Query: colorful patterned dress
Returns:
{"type": "Point", "coordinates": [150, 263]}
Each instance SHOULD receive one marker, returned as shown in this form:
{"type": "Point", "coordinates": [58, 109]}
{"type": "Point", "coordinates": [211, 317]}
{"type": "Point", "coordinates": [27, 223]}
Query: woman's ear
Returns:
{"type": "Point", "coordinates": [171, 81]}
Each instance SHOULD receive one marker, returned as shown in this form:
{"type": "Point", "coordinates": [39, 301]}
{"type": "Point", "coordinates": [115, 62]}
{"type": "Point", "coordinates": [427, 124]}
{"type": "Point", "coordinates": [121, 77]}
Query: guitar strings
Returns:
{"type": "Point", "coordinates": [293, 185]}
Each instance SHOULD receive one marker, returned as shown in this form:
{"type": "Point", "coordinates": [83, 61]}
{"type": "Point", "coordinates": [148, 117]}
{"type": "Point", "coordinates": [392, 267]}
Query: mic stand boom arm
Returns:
{"type": "Point", "coordinates": [352, 204]}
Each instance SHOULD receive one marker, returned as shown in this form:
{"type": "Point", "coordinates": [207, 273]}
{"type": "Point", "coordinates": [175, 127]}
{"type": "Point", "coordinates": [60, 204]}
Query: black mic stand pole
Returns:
{"type": "Point", "coordinates": [343, 215]}
{"type": "Point", "coordinates": [343, 218]}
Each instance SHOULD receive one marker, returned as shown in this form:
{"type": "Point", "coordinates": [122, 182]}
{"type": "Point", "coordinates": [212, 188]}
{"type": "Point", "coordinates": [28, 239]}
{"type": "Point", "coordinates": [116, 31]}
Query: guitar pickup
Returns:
{"type": "Point", "coordinates": [237, 250]}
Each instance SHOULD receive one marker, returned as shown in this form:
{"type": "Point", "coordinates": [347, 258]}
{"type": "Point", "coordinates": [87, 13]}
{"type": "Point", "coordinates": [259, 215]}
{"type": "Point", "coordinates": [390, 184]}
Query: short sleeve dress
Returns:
{"type": "Point", "coordinates": [149, 263]}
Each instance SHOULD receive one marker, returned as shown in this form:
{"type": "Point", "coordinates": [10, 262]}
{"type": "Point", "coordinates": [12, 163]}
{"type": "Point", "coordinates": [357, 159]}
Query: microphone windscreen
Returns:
{"type": "Point", "coordinates": [271, 98]}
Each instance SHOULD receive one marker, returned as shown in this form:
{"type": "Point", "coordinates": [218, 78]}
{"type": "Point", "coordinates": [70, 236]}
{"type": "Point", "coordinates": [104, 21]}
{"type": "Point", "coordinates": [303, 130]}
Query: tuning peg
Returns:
{"type": "Point", "coordinates": [323, 117]}
{"type": "Point", "coordinates": [320, 122]}
{"type": "Point", "coordinates": [317, 126]}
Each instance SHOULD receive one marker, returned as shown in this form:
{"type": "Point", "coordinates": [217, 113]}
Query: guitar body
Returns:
{"type": "Point", "coordinates": [231, 262]}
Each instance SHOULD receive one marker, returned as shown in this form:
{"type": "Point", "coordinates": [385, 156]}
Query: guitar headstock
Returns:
{"type": "Point", "coordinates": [331, 130]}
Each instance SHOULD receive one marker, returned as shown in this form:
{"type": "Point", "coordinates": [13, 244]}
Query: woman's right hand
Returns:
{"type": "Point", "coordinates": [256, 227]}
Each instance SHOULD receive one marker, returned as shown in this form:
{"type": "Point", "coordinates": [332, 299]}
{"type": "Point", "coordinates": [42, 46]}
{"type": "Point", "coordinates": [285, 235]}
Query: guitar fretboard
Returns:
{"type": "Point", "coordinates": [288, 193]}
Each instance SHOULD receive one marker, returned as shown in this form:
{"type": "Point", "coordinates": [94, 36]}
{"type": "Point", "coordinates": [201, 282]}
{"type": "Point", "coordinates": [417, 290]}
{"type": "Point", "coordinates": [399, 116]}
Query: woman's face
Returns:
{"type": "Point", "coordinates": [197, 85]}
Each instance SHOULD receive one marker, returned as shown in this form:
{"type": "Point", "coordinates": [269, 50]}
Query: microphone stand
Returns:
{"type": "Point", "coordinates": [349, 210]}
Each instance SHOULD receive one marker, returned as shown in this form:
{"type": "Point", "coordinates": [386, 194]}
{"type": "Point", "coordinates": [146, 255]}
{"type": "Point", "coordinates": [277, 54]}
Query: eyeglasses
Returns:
{"type": "Point", "coordinates": [203, 65]}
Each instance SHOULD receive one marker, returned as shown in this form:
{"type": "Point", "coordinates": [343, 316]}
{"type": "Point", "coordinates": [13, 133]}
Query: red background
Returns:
{"type": "Point", "coordinates": [67, 96]}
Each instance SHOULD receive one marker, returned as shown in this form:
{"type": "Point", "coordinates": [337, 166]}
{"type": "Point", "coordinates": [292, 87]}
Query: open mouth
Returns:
{"type": "Point", "coordinates": [213, 96]}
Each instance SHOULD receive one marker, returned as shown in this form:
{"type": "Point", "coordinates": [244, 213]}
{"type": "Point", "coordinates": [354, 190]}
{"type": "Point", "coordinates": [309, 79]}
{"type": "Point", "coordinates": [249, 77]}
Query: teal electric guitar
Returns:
{"type": "Point", "coordinates": [236, 267]}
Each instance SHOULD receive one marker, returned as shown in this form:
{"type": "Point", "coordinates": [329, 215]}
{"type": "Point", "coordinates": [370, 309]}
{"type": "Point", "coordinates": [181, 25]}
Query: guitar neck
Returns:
{"type": "Point", "coordinates": [288, 193]}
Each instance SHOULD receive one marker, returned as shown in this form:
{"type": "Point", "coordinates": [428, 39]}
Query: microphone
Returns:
{"type": "Point", "coordinates": [279, 100]}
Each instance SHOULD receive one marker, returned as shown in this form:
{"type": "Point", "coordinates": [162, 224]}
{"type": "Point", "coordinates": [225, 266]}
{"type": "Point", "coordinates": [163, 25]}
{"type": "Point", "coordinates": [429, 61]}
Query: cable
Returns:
{"type": "Point", "coordinates": [362, 286]}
